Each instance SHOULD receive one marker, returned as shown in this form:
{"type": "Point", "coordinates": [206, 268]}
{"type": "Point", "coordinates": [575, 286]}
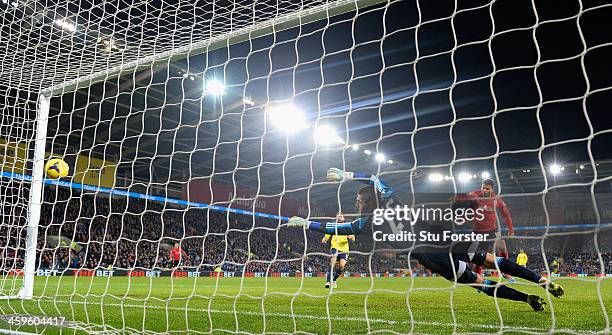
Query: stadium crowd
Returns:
{"type": "Point", "coordinates": [128, 233]}
{"type": "Point", "coordinates": [92, 231]}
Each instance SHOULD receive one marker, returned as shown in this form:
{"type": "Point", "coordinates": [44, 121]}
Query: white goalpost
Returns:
{"type": "Point", "coordinates": [277, 24]}
{"type": "Point", "coordinates": [195, 129]}
{"type": "Point", "coordinates": [35, 200]}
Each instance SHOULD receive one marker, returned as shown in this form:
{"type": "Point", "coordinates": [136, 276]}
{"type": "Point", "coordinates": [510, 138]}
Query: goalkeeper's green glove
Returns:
{"type": "Point", "coordinates": [297, 221]}
{"type": "Point", "coordinates": [335, 174]}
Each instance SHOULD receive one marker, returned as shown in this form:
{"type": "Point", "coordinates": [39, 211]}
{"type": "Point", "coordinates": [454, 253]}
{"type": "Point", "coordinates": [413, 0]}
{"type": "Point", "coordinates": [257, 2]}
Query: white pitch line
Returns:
{"type": "Point", "coordinates": [347, 318]}
{"type": "Point", "coordinates": [144, 284]}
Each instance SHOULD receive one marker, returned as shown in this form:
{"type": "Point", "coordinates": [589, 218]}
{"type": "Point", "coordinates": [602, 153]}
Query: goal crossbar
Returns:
{"type": "Point", "coordinates": [280, 23]}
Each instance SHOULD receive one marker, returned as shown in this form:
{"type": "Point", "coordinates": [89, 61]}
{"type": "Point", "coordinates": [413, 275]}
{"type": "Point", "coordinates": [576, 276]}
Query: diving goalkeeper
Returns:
{"type": "Point", "coordinates": [449, 263]}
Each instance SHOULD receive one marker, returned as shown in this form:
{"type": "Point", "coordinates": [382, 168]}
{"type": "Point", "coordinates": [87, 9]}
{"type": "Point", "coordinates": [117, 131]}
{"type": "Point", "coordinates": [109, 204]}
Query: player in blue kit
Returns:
{"type": "Point", "coordinates": [447, 261]}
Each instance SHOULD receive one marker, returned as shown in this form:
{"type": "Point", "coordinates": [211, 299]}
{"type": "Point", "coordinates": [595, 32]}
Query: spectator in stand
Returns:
{"type": "Point", "coordinates": [134, 228]}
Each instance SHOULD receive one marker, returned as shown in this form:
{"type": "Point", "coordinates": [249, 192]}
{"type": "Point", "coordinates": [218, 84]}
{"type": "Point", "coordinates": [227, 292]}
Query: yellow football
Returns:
{"type": "Point", "coordinates": [56, 168]}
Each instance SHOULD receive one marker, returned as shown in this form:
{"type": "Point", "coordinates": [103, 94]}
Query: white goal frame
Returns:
{"type": "Point", "coordinates": [277, 24]}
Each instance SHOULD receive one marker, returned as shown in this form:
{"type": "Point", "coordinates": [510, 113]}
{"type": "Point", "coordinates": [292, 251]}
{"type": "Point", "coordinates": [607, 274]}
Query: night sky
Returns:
{"type": "Point", "coordinates": [350, 73]}
{"type": "Point", "coordinates": [424, 83]}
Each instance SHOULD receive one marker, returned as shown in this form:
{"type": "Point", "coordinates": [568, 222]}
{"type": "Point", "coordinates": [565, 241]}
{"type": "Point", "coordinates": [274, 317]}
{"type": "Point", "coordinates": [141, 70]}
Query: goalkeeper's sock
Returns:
{"type": "Point", "coordinates": [338, 273]}
{"type": "Point", "coordinates": [328, 276]}
{"type": "Point", "coordinates": [507, 266]}
{"type": "Point", "coordinates": [503, 291]}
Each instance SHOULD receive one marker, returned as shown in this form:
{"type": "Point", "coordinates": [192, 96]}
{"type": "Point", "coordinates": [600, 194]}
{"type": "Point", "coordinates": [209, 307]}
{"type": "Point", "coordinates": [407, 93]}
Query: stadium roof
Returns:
{"type": "Point", "coordinates": [62, 41]}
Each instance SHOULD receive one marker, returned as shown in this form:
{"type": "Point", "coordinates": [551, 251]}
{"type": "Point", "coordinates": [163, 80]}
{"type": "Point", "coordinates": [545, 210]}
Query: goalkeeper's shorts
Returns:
{"type": "Point", "coordinates": [452, 266]}
{"type": "Point", "coordinates": [339, 254]}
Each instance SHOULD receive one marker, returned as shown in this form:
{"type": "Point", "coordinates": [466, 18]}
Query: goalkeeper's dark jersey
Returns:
{"type": "Point", "coordinates": [425, 251]}
{"type": "Point", "coordinates": [449, 259]}
{"type": "Point", "coordinates": [361, 224]}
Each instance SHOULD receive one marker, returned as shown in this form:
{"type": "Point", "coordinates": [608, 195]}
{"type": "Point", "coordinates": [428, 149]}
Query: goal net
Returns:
{"type": "Point", "coordinates": [195, 129]}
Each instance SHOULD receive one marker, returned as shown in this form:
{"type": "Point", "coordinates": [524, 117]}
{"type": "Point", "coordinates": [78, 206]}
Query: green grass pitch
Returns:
{"type": "Point", "coordinates": [291, 305]}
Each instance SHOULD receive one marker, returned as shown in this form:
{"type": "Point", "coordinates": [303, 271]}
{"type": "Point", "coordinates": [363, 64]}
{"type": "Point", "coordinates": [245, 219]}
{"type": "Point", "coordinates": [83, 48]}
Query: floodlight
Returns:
{"type": "Point", "coordinates": [65, 24]}
{"type": "Point", "coordinates": [287, 118]}
{"type": "Point", "coordinates": [326, 135]}
{"type": "Point", "coordinates": [555, 169]}
{"type": "Point", "coordinates": [435, 177]}
{"type": "Point", "coordinates": [248, 101]}
{"type": "Point", "coordinates": [464, 177]}
{"type": "Point", "coordinates": [214, 87]}
{"type": "Point", "coordinates": [380, 157]}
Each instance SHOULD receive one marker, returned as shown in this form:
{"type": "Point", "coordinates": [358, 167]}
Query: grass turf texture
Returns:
{"type": "Point", "coordinates": [288, 305]}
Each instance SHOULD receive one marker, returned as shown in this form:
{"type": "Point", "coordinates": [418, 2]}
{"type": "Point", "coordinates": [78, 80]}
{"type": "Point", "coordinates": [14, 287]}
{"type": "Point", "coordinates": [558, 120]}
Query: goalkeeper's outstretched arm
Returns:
{"type": "Point", "coordinates": [367, 201]}
{"type": "Point", "coordinates": [335, 174]}
{"type": "Point", "coordinates": [332, 228]}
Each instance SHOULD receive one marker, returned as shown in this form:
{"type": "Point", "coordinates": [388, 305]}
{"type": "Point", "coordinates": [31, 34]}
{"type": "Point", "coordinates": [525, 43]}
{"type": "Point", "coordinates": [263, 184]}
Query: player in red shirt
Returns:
{"type": "Point", "coordinates": [486, 200]}
{"type": "Point", "coordinates": [177, 254]}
